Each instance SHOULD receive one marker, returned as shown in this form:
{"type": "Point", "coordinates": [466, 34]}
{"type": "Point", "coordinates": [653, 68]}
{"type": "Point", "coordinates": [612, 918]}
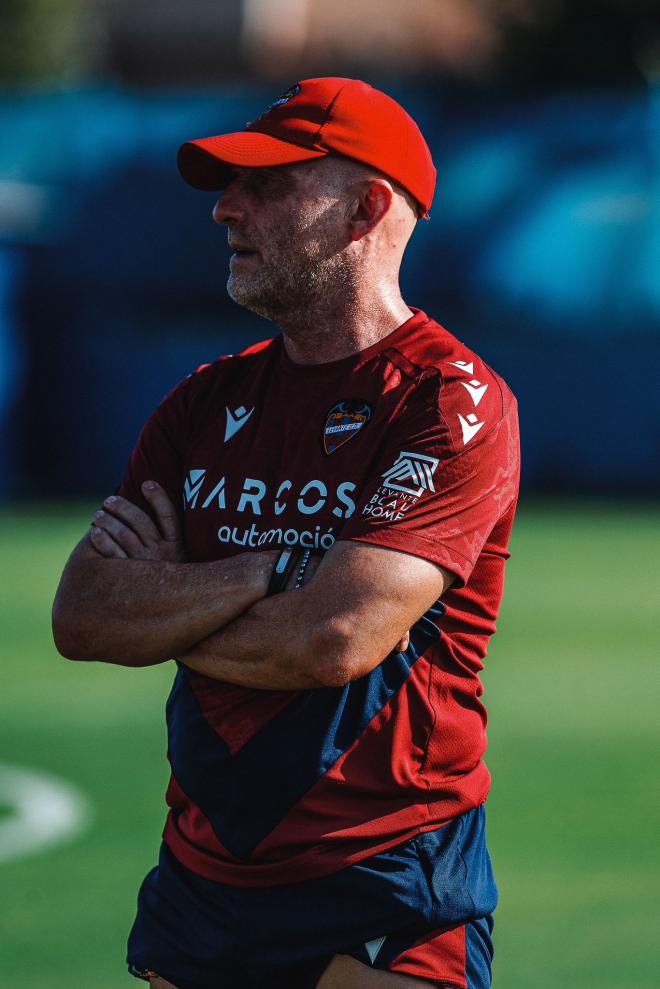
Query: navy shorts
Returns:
{"type": "Point", "coordinates": [422, 908]}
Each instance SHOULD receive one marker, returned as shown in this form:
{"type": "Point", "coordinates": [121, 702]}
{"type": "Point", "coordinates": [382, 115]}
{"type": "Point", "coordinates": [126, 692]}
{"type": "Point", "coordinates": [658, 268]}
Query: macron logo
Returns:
{"type": "Point", "coordinates": [236, 419]}
{"type": "Point", "coordinates": [470, 426]}
{"type": "Point", "coordinates": [373, 947]}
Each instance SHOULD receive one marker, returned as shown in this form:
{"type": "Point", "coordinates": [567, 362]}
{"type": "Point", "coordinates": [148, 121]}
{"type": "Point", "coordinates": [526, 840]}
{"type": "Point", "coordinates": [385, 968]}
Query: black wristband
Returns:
{"type": "Point", "coordinates": [286, 561]}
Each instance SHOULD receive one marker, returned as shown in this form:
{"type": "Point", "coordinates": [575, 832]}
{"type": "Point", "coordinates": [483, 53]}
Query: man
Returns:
{"type": "Point", "coordinates": [325, 726]}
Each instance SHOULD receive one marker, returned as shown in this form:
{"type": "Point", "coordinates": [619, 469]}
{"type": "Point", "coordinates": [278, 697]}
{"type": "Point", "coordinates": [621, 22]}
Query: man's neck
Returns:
{"type": "Point", "coordinates": [332, 334]}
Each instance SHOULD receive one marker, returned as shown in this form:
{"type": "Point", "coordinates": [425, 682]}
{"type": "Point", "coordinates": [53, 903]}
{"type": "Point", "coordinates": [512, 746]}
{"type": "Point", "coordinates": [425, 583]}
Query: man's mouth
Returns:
{"type": "Point", "coordinates": [242, 251]}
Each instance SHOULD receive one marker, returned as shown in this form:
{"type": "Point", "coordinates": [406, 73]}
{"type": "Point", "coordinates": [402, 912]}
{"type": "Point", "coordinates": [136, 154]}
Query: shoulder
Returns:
{"type": "Point", "coordinates": [230, 364]}
{"type": "Point", "coordinates": [242, 356]}
{"type": "Point", "coordinates": [203, 383]}
{"type": "Point", "coordinates": [456, 390]}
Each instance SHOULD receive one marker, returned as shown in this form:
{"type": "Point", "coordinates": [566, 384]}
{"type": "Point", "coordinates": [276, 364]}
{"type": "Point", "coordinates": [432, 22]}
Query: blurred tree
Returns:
{"type": "Point", "coordinates": [44, 40]}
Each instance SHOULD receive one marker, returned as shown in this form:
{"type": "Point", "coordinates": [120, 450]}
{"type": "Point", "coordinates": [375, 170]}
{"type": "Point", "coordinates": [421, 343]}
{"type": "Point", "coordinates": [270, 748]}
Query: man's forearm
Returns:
{"type": "Point", "coordinates": [277, 644]}
{"type": "Point", "coordinates": [137, 613]}
{"type": "Point", "coordinates": [350, 615]}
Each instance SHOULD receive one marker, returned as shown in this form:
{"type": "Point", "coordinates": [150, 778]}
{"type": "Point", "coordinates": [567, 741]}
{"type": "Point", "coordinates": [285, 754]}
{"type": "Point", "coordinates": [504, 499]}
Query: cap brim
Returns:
{"type": "Point", "coordinates": [208, 163]}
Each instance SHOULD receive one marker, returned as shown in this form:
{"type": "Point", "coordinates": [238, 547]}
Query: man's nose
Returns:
{"type": "Point", "coordinates": [228, 208]}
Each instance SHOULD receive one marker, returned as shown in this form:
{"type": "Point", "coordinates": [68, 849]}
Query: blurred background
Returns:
{"type": "Point", "coordinates": [543, 254]}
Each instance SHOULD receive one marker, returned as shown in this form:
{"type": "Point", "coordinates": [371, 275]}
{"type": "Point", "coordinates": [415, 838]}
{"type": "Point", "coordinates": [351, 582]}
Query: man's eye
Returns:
{"type": "Point", "coordinates": [263, 181]}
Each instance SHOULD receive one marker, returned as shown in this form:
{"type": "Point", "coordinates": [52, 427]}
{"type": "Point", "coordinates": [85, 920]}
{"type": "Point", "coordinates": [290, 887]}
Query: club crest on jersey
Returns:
{"type": "Point", "coordinates": [343, 422]}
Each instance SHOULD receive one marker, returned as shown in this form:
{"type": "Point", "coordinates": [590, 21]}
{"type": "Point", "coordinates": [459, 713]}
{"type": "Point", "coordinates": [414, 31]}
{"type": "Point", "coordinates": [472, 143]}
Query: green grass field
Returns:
{"type": "Point", "coordinates": [573, 687]}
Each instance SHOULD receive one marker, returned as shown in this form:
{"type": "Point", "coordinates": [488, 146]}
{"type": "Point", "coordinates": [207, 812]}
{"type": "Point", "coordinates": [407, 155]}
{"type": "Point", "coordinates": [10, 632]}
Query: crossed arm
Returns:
{"type": "Point", "coordinates": [128, 596]}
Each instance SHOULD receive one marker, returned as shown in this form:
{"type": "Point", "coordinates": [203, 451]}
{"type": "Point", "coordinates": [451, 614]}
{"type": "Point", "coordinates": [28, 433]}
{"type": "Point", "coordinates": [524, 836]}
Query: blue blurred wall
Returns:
{"type": "Point", "coordinates": [543, 254]}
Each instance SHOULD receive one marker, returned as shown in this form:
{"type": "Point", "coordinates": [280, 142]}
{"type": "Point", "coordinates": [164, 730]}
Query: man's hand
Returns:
{"type": "Point", "coordinates": [137, 612]}
{"type": "Point", "coordinates": [121, 530]}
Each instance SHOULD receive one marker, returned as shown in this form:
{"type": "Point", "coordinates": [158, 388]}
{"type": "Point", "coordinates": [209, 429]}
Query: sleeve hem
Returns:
{"type": "Point", "coordinates": [418, 545]}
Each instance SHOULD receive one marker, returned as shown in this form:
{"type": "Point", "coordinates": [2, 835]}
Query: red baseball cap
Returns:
{"type": "Point", "coordinates": [315, 118]}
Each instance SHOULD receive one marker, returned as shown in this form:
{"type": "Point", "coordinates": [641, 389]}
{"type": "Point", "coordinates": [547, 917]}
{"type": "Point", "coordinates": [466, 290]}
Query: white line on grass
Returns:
{"type": "Point", "coordinates": [45, 811]}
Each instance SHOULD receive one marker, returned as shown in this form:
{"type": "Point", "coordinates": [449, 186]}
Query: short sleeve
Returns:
{"type": "Point", "coordinates": [158, 453]}
{"type": "Point", "coordinates": [439, 488]}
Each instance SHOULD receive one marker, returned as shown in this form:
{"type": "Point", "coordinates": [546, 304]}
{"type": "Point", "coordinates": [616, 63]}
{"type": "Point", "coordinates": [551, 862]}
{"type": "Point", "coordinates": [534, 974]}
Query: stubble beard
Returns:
{"type": "Point", "coordinates": [292, 284]}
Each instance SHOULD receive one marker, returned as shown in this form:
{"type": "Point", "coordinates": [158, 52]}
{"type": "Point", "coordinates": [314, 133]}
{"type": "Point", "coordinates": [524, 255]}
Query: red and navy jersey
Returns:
{"type": "Point", "coordinates": [411, 444]}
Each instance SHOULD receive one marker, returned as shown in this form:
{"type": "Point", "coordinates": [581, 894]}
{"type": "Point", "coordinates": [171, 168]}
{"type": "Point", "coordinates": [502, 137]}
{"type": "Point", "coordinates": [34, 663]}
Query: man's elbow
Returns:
{"type": "Point", "coordinates": [75, 629]}
{"type": "Point", "coordinates": [333, 658]}
{"type": "Point", "coordinates": [69, 647]}
{"type": "Point", "coordinates": [70, 639]}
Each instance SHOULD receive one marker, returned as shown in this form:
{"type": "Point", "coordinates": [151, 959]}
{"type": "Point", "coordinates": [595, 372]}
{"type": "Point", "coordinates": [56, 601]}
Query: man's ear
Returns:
{"type": "Point", "coordinates": [370, 207]}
